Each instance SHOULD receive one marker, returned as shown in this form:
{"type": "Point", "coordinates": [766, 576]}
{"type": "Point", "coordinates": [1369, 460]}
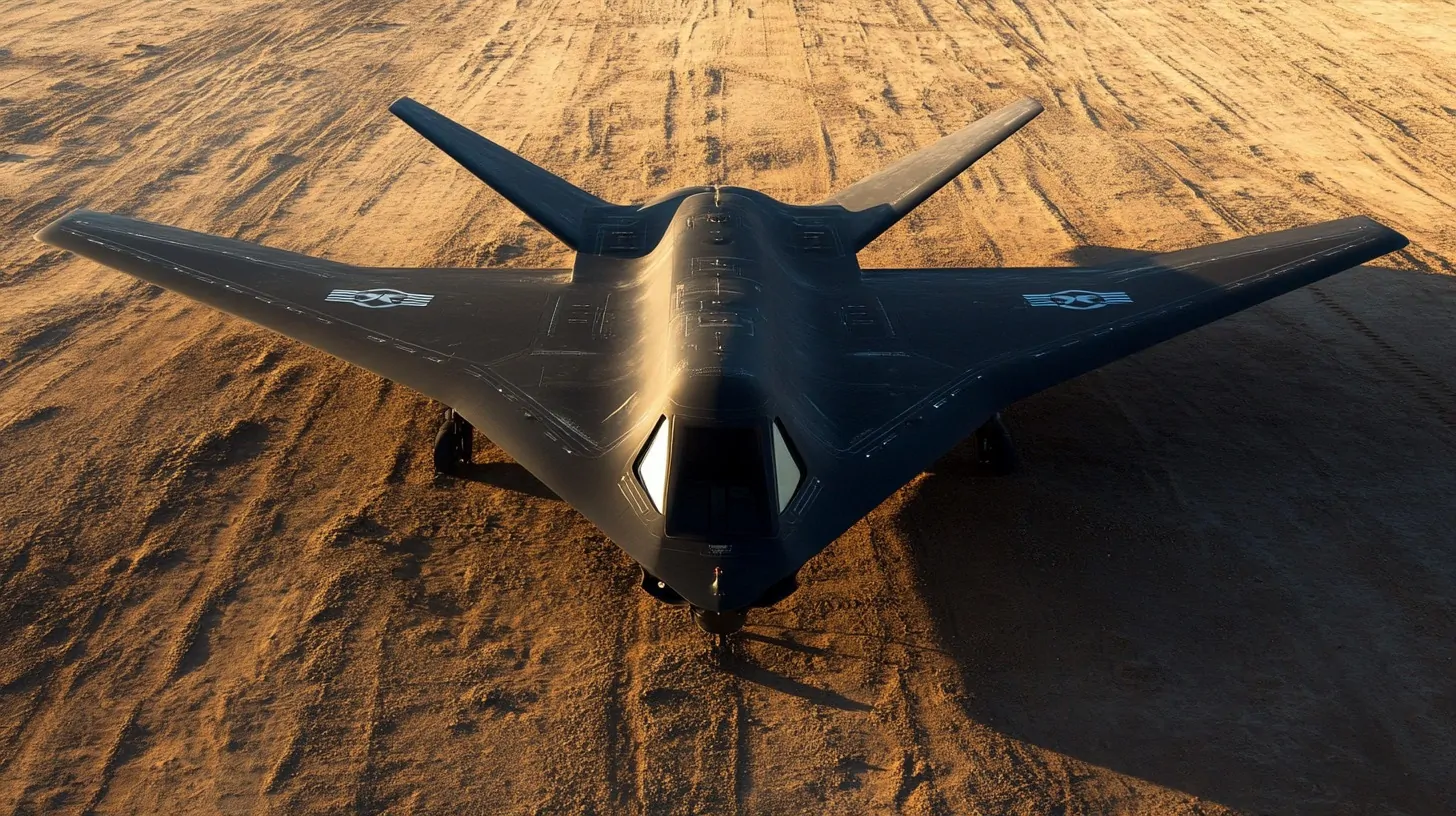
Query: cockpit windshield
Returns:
{"type": "Point", "coordinates": [718, 483]}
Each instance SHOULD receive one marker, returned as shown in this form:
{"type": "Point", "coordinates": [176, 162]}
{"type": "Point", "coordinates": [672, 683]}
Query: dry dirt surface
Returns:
{"type": "Point", "coordinates": [1222, 582]}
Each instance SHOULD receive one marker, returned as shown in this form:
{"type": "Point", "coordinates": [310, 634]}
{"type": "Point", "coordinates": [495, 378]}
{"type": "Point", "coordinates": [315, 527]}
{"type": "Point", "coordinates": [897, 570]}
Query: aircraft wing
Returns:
{"type": "Point", "coordinates": [533, 360]}
{"type": "Point", "coordinates": [926, 355]}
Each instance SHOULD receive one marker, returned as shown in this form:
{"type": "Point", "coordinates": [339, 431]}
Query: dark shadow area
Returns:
{"type": "Point", "coordinates": [745, 668]}
{"type": "Point", "coordinates": [1226, 564]}
{"type": "Point", "coordinates": [509, 476]}
{"type": "Point", "coordinates": [788, 642]}
{"type": "Point", "coordinates": [1103, 256]}
{"type": "Point", "coordinates": [784, 643]}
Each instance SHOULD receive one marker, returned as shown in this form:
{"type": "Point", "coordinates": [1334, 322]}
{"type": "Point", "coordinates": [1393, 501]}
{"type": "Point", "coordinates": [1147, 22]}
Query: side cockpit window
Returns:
{"type": "Point", "coordinates": [787, 471]}
{"type": "Point", "coordinates": [652, 466]}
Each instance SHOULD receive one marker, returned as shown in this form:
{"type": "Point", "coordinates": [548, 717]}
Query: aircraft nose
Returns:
{"type": "Point", "coordinates": [725, 584]}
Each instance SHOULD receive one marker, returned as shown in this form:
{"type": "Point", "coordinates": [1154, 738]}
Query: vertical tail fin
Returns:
{"type": "Point", "coordinates": [877, 202]}
{"type": "Point", "coordinates": [551, 201]}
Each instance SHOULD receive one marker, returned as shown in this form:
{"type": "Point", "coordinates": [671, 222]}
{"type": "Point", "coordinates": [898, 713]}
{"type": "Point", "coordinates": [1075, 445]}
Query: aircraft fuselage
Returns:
{"type": "Point", "coordinates": [741, 276]}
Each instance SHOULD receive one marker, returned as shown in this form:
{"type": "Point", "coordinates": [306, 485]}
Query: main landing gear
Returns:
{"type": "Point", "coordinates": [454, 445]}
{"type": "Point", "coordinates": [995, 453]}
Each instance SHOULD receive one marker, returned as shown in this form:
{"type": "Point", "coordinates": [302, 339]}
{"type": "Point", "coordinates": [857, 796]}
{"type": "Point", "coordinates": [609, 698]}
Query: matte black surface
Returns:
{"type": "Point", "coordinates": [723, 308]}
{"type": "Point", "coordinates": [550, 200]}
{"type": "Point", "coordinates": [876, 203]}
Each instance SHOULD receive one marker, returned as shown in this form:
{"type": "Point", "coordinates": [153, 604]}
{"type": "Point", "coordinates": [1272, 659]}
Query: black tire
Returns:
{"type": "Point", "coordinates": [454, 445]}
{"type": "Point", "coordinates": [995, 452]}
{"type": "Point", "coordinates": [467, 441]}
{"type": "Point", "coordinates": [447, 450]}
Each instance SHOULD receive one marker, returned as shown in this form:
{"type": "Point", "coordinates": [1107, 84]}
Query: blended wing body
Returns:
{"type": "Point", "coordinates": [872, 374]}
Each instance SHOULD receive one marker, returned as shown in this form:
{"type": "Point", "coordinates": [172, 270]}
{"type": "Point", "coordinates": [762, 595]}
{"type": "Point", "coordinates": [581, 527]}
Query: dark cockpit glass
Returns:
{"type": "Point", "coordinates": [719, 483]}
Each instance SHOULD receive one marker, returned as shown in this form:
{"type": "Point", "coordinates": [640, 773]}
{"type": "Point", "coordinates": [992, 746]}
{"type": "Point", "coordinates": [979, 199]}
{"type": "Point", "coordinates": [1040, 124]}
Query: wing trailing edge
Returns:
{"type": "Point", "coordinates": [876, 203]}
{"type": "Point", "coordinates": [551, 201]}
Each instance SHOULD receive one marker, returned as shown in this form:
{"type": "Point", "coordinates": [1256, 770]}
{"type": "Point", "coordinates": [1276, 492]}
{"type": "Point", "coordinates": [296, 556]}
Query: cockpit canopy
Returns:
{"type": "Point", "coordinates": [712, 481]}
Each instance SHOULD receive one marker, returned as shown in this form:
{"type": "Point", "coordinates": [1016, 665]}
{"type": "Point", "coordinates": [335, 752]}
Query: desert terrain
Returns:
{"type": "Point", "coordinates": [1223, 581]}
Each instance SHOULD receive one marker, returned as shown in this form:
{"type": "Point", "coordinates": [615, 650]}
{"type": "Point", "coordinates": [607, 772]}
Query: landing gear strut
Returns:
{"type": "Point", "coordinates": [721, 625]}
{"type": "Point", "coordinates": [454, 445]}
{"type": "Point", "coordinates": [995, 453]}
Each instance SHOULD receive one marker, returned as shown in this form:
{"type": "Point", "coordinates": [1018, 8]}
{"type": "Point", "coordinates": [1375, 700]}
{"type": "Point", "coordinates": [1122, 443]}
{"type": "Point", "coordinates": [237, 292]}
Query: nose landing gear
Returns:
{"type": "Point", "coordinates": [720, 623]}
{"type": "Point", "coordinates": [722, 626]}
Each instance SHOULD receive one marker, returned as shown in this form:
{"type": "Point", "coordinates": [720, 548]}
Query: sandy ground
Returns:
{"type": "Point", "coordinates": [1222, 582]}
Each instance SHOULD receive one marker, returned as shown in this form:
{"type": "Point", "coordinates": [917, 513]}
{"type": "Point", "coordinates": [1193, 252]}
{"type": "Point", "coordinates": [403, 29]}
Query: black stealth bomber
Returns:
{"type": "Point", "coordinates": [716, 383]}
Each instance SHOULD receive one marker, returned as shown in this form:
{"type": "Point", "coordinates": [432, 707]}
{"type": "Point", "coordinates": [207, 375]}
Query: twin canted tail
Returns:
{"type": "Point", "coordinates": [551, 201]}
{"type": "Point", "coordinates": [870, 206]}
{"type": "Point", "coordinates": [874, 204]}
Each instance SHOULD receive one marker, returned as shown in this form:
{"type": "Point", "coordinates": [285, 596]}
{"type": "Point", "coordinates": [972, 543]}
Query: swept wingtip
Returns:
{"type": "Point", "coordinates": [1012, 116]}
{"type": "Point", "coordinates": [404, 106]}
{"type": "Point", "coordinates": [1396, 237]}
{"type": "Point", "coordinates": [1022, 110]}
{"type": "Point", "coordinates": [54, 232]}
{"type": "Point", "coordinates": [1391, 239]}
{"type": "Point", "coordinates": [1398, 241]}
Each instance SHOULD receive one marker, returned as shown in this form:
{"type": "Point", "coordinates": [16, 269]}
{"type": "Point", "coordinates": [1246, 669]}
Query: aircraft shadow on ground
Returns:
{"type": "Point", "coordinates": [509, 476]}
{"type": "Point", "coordinates": [1095, 255]}
{"type": "Point", "coordinates": [751, 671]}
{"type": "Point", "coordinates": [1114, 601]}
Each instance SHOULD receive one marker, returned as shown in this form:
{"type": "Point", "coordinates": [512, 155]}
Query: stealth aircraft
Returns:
{"type": "Point", "coordinates": [715, 382]}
